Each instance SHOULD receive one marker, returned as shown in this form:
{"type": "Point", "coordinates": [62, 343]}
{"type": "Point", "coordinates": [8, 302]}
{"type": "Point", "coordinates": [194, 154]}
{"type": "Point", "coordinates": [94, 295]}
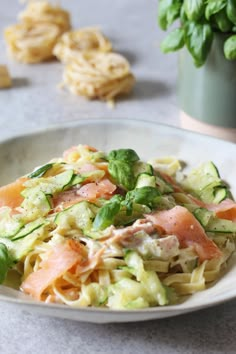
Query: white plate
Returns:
{"type": "Point", "coordinates": [20, 155]}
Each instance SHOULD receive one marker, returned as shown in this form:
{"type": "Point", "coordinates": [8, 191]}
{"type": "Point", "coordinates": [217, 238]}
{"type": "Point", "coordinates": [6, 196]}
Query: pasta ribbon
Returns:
{"type": "Point", "coordinates": [188, 283]}
{"type": "Point", "coordinates": [166, 164]}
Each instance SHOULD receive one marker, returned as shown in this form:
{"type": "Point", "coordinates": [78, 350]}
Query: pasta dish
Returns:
{"type": "Point", "coordinates": [109, 230]}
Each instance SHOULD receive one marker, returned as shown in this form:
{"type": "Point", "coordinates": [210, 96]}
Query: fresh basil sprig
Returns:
{"type": "Point", "coordinates": [122, 173]}
{"type": "Point", "coordinates": [105, 216]}
{"type": "Point", "coordinates": [230, 48]}
{"type": "Point", "coordinates": [222, 21]}
{"type": "Point", "coordinates": [168, 12]}
{"type": "Point", "coordinates": [231, 10]}
{"type": "Point", "coordinates": [199, 20]}
{"type": "Point", "coordinates": [127, 155]}
{"type": "Point", "coordinates": [198, 39]}
{"type": "Point", "coordinates": [121, 167]}
{"type": "Point", "coordinates": [173, 41]}
{"type": "Point", "coordinates": [144, 195]}
{"type": "Point", "coordinates": [194, 9]}
{"type": "Point", "coordinates": [213, 7]}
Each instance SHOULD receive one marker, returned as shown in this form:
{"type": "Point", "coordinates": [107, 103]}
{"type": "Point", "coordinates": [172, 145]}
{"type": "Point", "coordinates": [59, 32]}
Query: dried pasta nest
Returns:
{"type": "Point", "coordinates": [32, 43]}
{"type": "Point", "coordinates": [72, 43]}
{"type": "Point", "coordinates": [33, 39]}
{"type": "Point", "coordinates": [100, 75]}
{"type": "Point", "coordinates": [43, 12]}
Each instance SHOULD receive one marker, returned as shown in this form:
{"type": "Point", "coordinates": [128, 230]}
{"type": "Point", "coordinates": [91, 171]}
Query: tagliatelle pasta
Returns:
{"type": "Point", "coordinates": [109, 230]}
{"type": "Point", "coordinates": [100, 75]}
{"type": "Point", "coordinates": [29, 43]}
{"type": "Point", "coordinates": [72, 43]}
{"type": "Point", "coordinates": [33, 39]}
{"type": "Point", "coordinates": [44, 12]}
{"type": "Point", "coordinates": [91, 69]}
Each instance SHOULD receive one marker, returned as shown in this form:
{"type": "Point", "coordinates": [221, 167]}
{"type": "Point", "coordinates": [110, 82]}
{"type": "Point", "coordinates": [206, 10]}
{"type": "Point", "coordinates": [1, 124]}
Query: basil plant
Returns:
{"type": "Point", "coordinates": [199, 21]}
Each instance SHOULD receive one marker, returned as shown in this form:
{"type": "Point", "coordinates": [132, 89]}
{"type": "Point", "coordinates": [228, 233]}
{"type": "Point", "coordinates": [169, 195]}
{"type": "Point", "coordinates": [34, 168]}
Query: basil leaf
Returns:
{"type": "Point", "coordinates": [40, 171]}
{"type": "Point", "coordinates": [127, 155]}
{"type": "Point", "coordinates": [213, 7]}
{"type": "Point", "coordinates": [198, 39]}
{"type": "Point", "coordinates": [222, 21]}
{"type": "Point", "coordinates": [231, 10]}
{"type": "Point", "coordinates": [144, 195]}
{"type": "Point", "coordinates": [183, 16]}
{"type": "Point", "coordinates": [194, 9]}
{"type": "Point", "coordinates": [230, 48]}
{"type": "Point", "coordinates": [5, 262]}
{"type": "Point", "coordinates": [123, 218]}
{"type": "Point", "coordinates": [168, 12]}
{"type": "Point", "coordinates": [122, 173]}
{"type": "Point", "coordinates": [173, 41]}
{"type": "Point", "coordinates": [105, 216]}
{"type": "Point", "coordinates": [120, 167]}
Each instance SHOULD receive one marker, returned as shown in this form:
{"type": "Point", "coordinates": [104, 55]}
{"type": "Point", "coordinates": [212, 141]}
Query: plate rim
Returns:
{"type": "Point", "coordinates": [92, 121]}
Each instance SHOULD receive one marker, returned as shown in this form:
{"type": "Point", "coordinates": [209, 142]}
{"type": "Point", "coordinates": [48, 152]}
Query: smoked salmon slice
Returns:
{"type": "Point", "coordinates": [61, 259]}
{"type": "Point", "coordinates": [88, 167]}
{"type": "Point", "coordinates": [66, 199]}
{"type": "Point", "coordinates": [225, 210]}
{"type": "Point", "coordinates": [90, 192]}
{"type": "Point", "coordinates": [171, 181]}
{"type": "Point", "coordinates": [180, 222]}
{"type": "Point", "coordinates": [102, 189]}
{"type": "Point", "coordinates": [10, 195]}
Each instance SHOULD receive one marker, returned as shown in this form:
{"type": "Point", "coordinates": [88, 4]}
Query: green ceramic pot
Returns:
{"type": "Point", "coordinates": [208, 94]}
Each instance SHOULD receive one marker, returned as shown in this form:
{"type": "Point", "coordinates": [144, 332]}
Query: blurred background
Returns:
{"type": "Point", "coordinates": [35, 100]}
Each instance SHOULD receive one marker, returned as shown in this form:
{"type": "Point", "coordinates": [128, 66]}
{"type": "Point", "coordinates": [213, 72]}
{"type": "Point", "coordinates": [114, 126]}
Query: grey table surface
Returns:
{"type": "Point", "coordinates": [34, 102]}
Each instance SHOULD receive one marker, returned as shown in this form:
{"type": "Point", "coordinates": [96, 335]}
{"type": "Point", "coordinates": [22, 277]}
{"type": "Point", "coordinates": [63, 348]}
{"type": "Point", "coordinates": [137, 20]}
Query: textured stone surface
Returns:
{"type": "Point", "coordinates": [35, 101]}
{"type": "Point", "coordinates": [209, 331]}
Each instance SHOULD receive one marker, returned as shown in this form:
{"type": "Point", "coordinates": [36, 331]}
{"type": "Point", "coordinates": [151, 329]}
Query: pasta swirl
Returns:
{"type": "Point", "coordinates": [104, 75]}
{"type": "Point", "coordinates": [29, 43]}
{"type": "Point", "coordinates": [33, 39]}
{"type": "Point", "coordinates": [73, 43]}
{"type": "Point", "coordinates": [43, 12]}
